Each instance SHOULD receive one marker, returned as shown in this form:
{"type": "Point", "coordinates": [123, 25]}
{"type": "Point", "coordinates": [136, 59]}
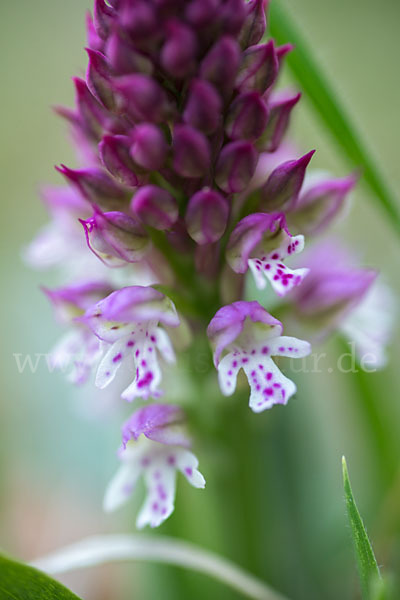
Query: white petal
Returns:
{"type": "Point", "coordinates": [228, 369]}
{"type": "Point", "coordinates": [187, 463]}
{"type": "Point", "coordinates": [119, 352]}
{"type": "Point", "coordinates": [164, 345]}
{"type": "Point", "coordinates": [122, 485]}
{"type": "Point", "coordinates": [288, 346]}
{"type": "Point", "coordinates": [160, 479]}
{"type": "Point", "coordinates": [268, 385]}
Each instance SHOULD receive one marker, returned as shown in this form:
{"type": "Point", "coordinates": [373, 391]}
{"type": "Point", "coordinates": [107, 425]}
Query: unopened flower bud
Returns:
{"type": "Point", "coordinates": [94, 185]}
{"type": "Point", "coordinates": [141, 97]}
{"type": "Point", "coordinates": [155, 207]}
{"type": "Point", "coordinates": [98, 78]}
{"type": "Point", "coordinates": [221, 63]}
{"type": "Point", "coordinates": [259, 68]}
{"type": "Point", "coordinates": [149, 147]}
{"type": "Point", "coordinates": [191, 152]}
{"type": "Point", "coordinates": [104, 17]}
{"type": "Point", "coordinates": [124, 58]}
{"type": "Point", "coordinates": [115, 238]}
{"type": "Point", "coordinates": [203, 107]}
{"type": "Point", "coordinates": [235, 167]}
{"type": "Point", "coordinates": [114, 154]}
{"type": "Point", "coordinates": [280, 109]}
{"type": "Point", "coordinates": [179, 50]}
{"type": "Point", "coordinates": [283, 185]}
{"type": "Point", "coordinates": [255, 23]}
{"type": "Point", "coordinates": [207, 216]}
{"type": "Point", "coordinates": [247, 117]}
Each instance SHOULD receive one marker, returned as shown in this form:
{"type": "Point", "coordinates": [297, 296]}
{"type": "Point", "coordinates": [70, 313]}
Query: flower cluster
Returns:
{"type": "Point", "coordinates": [185, 183]}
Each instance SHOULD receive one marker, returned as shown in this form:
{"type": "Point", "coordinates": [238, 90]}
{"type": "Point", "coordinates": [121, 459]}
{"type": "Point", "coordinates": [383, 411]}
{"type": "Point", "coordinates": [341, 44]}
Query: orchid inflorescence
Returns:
{"type": "Point", "coordinates": [185, 186]}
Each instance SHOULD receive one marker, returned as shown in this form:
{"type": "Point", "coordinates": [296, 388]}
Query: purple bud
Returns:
{"type": "Point", "coordinates": [191, 152]}
{"type": "Point", "coordinates": [149, 148]}
{"type": "Point", "coordinates": [320, 202]}
{"type": "Point", "coordinates": [141, 97]}
{"type": "Point", "coordinates": [281, 51]}
{"type": "Point", "coordinates": [231, 15]}
{"type": "Point", "coordinates": [94, 185]}
{"type": "Point", "coordinates": [124, 58]}
{"type": "Point", "coordinates": [114, 154]}
{"type": "Point", "coordinates": [203, 107]}
{"type": "Point", "coordinates": [259, 68]}
{"type": "Point", "coordinates": [247, 117]}
{"type": "Point", "coordinates": [207, 216]}
{"type": "Point", "coordinates": [283, 185]}
{"type": "Point", "coordinates": [155, 207]}
{"type": "Point", "coordinates": [255, 23]}
{"type": "Point", "coordinates": [280, 110]}
{"type": "Point", "coordinates": [91, 114]}
{"type": "Point", "coordinates": [138, 19]}
{"type": "Point", "coordinates": [115, 235]}
{"type": "Point", "coordinates": [201, 12]}
{"type": "Point", "coordinates": [221, 63]}
{"type": "Point", "coordinates": [98, 78]}
{"type": "Point", "coordinates": [235, 167]}
{"type": "Point", "coordinates": [93, 39]}
{"type": "Point", "coordinates": [104, 17]}
{"type": "Point", "coordinates": [179, 50]}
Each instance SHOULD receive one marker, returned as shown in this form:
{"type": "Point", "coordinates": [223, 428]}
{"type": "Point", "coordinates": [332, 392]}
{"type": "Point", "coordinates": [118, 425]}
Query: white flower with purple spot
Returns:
{"type": "Point", "coordinates": [261, 242]}
{"type": "Point", "coordinates": [248, 336]}
{"type": "Point", "coordinates": [155, 447]}
{"type": "Point", "coordinates": [128, 321]}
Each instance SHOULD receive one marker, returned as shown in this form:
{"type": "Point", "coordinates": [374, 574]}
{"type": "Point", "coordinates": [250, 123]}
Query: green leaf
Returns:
{"type": "Point", "coordinates": [19, 582]}
{"type": "Point", "coordinates": [367, 566]}
{"type": "Point", "coordinates": [308, 73]}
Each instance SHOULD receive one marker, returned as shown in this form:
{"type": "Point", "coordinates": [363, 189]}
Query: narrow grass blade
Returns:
{"type": "Point", "coordinates": [319, 91]}
{"type": "Point", "coordinates": [367, 566]}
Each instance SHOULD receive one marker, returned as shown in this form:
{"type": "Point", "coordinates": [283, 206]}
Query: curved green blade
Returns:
{"type": "Point", "coordinates": [19, 582]}
{"type": "Point", "coordinates": [367, 566]}
{"type": "Point", "coordinates": [307, 72]}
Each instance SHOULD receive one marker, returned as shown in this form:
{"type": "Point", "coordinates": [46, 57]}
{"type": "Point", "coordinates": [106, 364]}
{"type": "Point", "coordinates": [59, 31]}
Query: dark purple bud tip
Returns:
{"type": "Point", "coordinates": [141, 97]}
{"type": "Point", "coordinates": [283, 185]}
{"type": "Point", "coordinates": [191, 152]}
{"type": "Point", "coordinates": [149, 148]}
{"type": "Point", "coordinates": [94, 185]}
{"type": "Point", "coordinates": [114, 154]}
{"type": "Point", "coordinates": [155, 207]}
{"type": "Point", "coordinates": [179, 50]}
{"type": "Point", "coordinates": [235, 166]}
{"type": "Point", "coordinates": [259, 68]}
{"type": "Point", "coordinates": [255, 23]}
{"type": "Point", "coordinates": [247, 117]}
{"type": "Point", "coordinates": [98, 78]}
{"type": "Point", "coordinates": [203, 106]}
{"type": "Point", "coordinates": [207, 216]}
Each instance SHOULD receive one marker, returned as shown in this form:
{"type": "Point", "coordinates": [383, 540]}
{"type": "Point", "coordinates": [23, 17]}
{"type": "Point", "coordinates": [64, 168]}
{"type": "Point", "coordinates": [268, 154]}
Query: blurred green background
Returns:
{"type": "Point", "coordinates": [289, 524]}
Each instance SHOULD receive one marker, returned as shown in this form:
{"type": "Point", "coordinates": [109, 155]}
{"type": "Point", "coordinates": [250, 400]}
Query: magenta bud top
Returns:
{"type": "Point", "coordinates": [283, 185]}
{"type": "Point", "coordinates": [141, 97]}
{"type": "Point", "coordinates": [255, 23]}
{"type": "Point", "coordinates": [247, 117]}
{"type": "Point", "coordinates": [94, 185]}
{"type": "Point", "coordinates": [235, 166]}
{"type": "Point", "coordinates": [206, 216]}
{"type": "Point", "coordinates": [104, 16]}
{"type": "Point", "coordinates": [149, 148]}
{"type": "Point", "coordinates": [124, 58]}
{"type": "Point", "coordinates": [179, 50]}
{"type": "Point", "coordinates": [115, 238]}
{"type": "Point", "coordinates": [203, 106]}
{"type": "Point", "coordinates": [114, 154]}
{"type": "Point", "coordinates": [191, 152]}
{"type": "Point", "coordinates": [155, 207]}
{"type": "Point", "coordinates": [98, 77]}
{"type": "Point", "coordinates": [280, 108]}
{"type": "Point", "coordinates": [221, 63]}
{"type": "Point", "coordinates": [201, 12]}
{"type": "Point", "coordinates": [259, 68]}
